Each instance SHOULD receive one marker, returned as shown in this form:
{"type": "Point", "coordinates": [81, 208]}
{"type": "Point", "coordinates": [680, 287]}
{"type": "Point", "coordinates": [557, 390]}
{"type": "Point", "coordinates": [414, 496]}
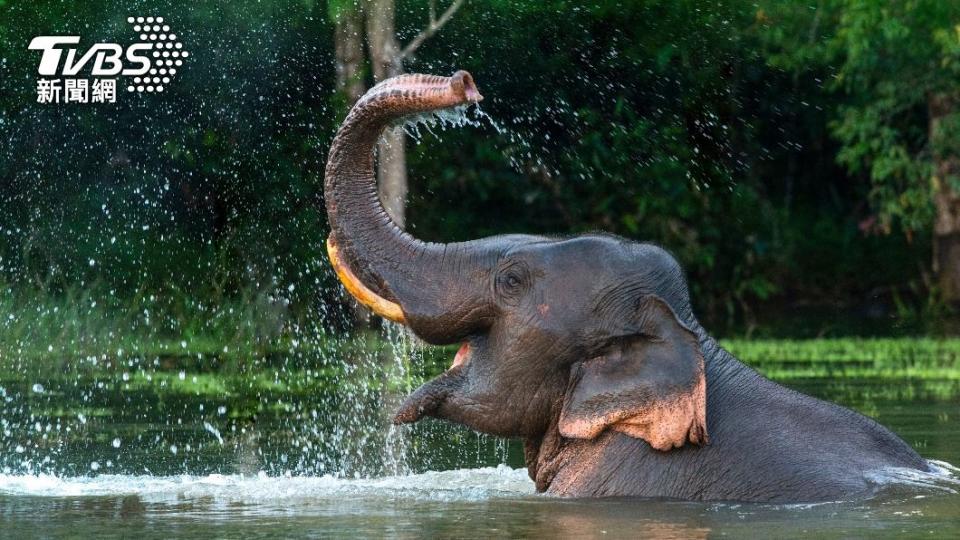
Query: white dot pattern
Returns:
{"type": "Point", "coordinates": [152, 30]}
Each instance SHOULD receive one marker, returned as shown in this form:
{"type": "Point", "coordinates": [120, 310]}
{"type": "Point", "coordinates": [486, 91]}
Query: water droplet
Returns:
{"type": "Point", "coordinates": [213, 431]}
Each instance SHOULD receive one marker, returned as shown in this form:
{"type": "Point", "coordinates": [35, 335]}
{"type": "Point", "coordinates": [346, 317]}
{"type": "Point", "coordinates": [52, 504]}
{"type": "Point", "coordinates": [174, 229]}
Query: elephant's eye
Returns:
{"type": "Point", "coordinates": [512, 279]}
{"type": "Point", "coordinates": [511, 284]}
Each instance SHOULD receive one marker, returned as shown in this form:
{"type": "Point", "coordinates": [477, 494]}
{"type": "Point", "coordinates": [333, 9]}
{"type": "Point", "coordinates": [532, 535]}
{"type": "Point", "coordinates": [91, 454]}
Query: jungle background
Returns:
{"type": "Point", "coordinates": [799, 158]}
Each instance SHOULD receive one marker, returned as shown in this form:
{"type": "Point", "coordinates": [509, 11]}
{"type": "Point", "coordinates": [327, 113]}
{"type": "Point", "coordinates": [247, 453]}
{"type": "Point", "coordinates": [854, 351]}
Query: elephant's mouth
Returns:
{"type": "Point", "coordinates": [426, 400]}
{"type": "Point", "coordinates": [462, 356]}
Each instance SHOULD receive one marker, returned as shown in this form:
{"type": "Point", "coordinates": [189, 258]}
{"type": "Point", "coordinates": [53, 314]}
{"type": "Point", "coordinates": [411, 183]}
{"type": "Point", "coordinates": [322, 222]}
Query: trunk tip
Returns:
{"type": "Point", "coordinates": [463, 83]}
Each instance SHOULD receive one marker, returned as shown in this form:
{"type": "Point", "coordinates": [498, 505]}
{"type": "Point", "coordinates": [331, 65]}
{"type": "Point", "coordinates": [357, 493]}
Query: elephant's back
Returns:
{"type": "Point", "coordinates": [797, 446]}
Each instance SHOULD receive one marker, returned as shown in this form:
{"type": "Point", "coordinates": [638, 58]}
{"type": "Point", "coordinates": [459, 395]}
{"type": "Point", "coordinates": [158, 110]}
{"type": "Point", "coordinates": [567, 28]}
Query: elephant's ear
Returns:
{"type": "Point", "coordinates": [649, 385]}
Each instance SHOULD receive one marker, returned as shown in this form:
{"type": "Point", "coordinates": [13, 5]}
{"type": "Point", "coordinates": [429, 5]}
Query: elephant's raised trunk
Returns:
{"type": "Point", "coordinates": [425, 285]}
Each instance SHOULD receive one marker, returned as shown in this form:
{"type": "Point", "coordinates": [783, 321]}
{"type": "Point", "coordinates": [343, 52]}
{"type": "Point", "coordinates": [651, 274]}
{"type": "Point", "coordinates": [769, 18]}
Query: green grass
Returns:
{"type": "Point", "coordinates": [895, 350]}
{"type": "Point", "coordinates": [909, 358]}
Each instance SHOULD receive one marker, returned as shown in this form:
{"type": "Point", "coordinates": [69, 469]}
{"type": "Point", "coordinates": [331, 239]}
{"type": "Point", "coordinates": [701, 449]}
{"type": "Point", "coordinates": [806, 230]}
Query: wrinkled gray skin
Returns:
{"type": "Point", "coordinates": [572, 342]}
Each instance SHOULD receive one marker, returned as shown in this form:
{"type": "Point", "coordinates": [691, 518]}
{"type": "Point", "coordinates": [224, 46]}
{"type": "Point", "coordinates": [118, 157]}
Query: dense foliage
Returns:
{"type": "Point", "coordinates": [779, 150]}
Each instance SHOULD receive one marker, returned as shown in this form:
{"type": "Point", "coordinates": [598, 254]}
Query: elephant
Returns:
{"type": "Point", "coordinates": [586, 348]}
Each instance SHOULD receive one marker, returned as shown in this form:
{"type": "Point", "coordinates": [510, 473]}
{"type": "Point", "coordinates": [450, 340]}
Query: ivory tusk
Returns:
{"type": "Point", "coordinates": [380, 306]}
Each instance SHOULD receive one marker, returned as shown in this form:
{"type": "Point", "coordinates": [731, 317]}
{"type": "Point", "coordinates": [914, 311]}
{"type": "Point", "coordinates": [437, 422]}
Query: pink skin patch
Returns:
{"type": "Point", "coordinates": [462, 355]}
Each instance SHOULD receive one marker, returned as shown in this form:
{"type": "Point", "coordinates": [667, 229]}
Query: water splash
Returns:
{"type": "Point", "coordinates": [461, 485]}
{"type": "Point", "coordinates": [453, 117]}
{"type": "Point", "coordinates": [942, 477]}
{"type": "Point", "coordinates": [396, 444]}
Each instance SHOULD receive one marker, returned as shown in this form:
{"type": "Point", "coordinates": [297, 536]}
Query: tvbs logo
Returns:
{"type": "Point", "coordinates": [148, 64]}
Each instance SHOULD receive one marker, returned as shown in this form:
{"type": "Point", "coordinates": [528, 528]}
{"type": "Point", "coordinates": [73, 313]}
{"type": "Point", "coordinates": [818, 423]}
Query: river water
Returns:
{"type": "Point", "coordinates": [92, 456]}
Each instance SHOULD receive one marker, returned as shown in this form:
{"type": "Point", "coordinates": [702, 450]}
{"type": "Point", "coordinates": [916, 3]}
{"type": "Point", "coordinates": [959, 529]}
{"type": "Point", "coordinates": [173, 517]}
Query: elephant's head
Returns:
{"type": "Point", "coordinates": [591, 332]}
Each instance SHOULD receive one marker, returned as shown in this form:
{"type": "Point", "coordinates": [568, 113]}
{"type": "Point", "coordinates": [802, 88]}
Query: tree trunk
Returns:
{"type": "Point", "coordinates": [391, 151]}
{"type": "Point", "coordinates": [946, 172]}
{"type": "Point", "coordinates": [348, 52]}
